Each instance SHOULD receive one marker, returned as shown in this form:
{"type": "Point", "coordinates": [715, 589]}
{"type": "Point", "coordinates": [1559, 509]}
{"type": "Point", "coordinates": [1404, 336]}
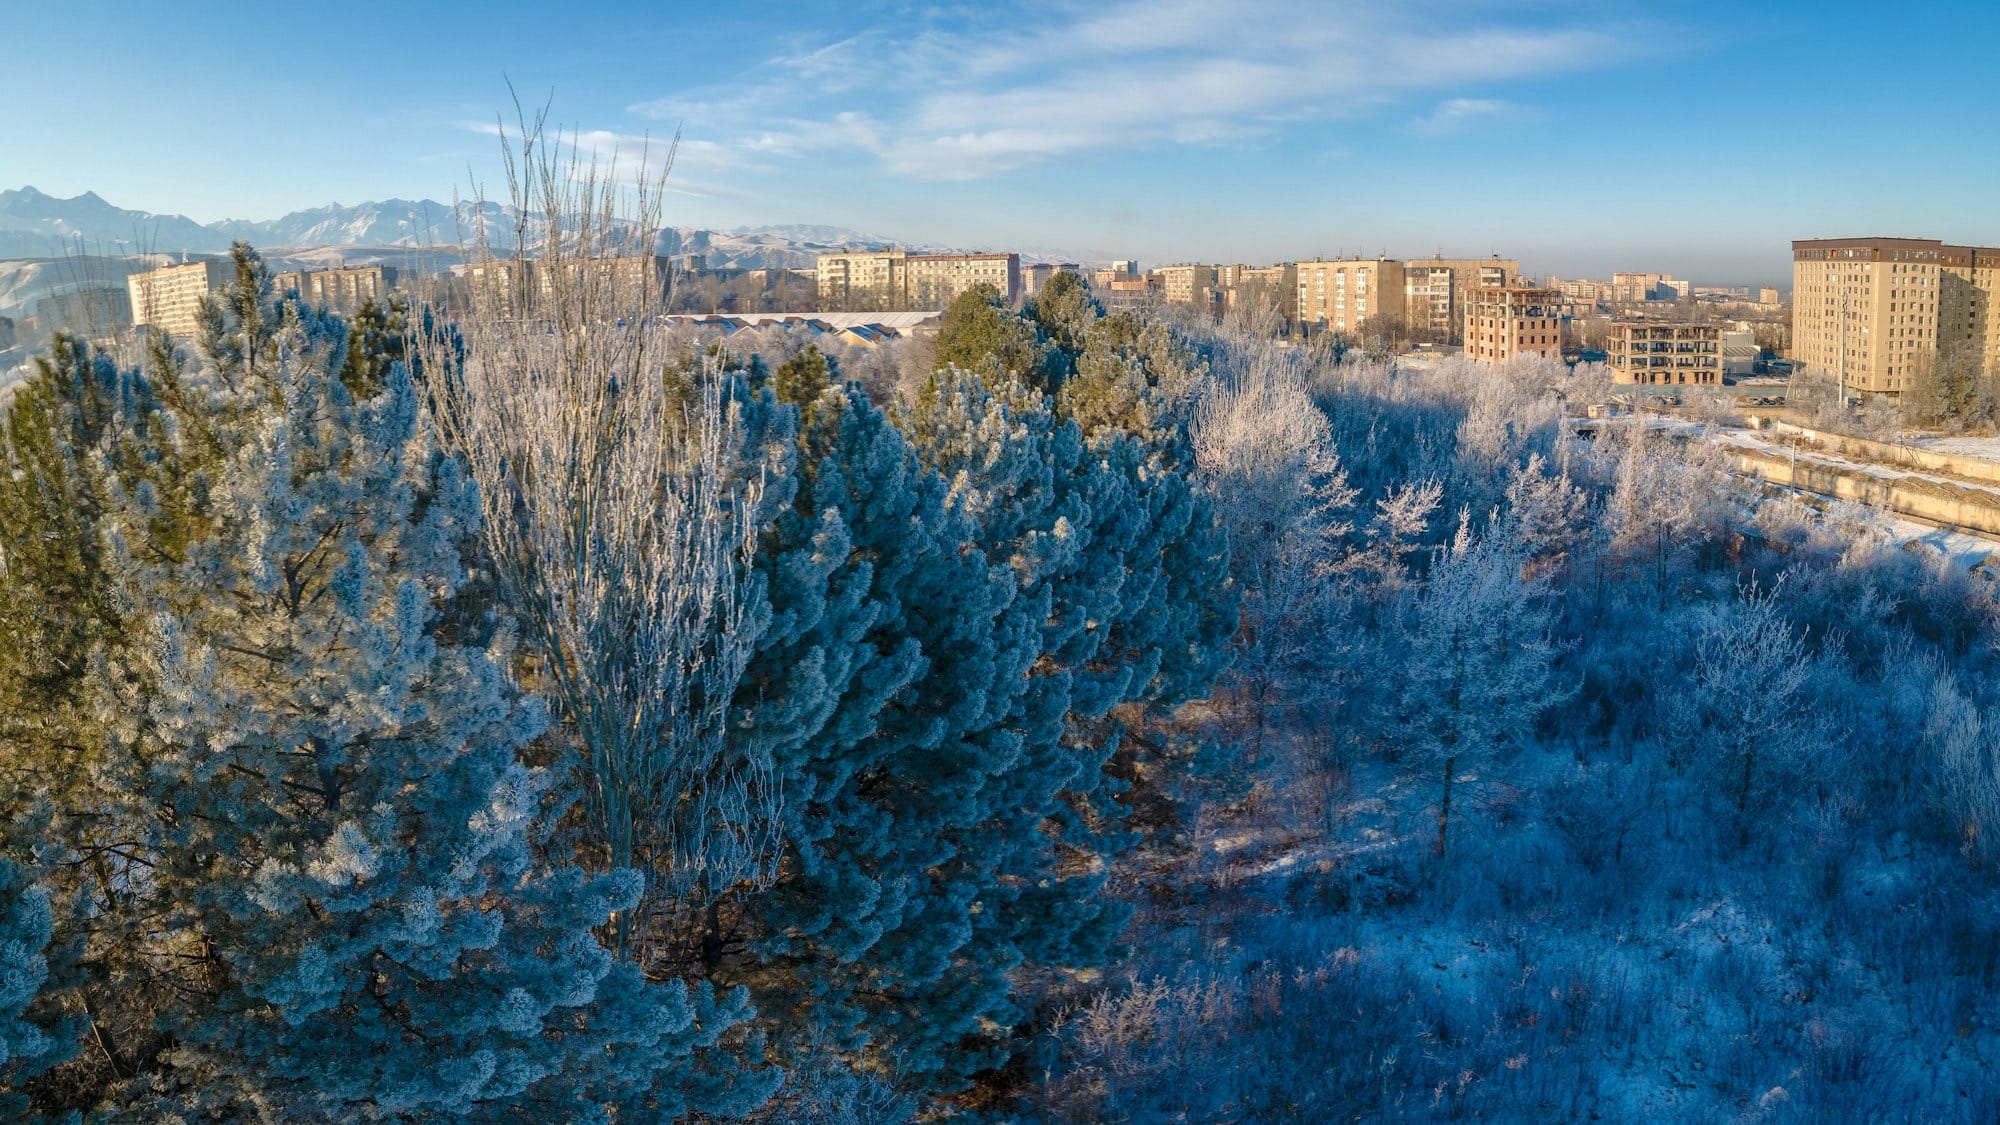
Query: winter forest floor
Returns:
{"type": "Point", "coordinates": [1616, 929]}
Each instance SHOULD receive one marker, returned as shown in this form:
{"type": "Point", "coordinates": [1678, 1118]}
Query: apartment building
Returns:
{"type": "Point", "coordinates": [169, 298]}
{"type": "Point", "coordinates": [499, 285]}
{"type": "Point", "coordinates": [1186, 284]}
{"type": "Point", "coordinates": [605, 289]}
{"type": "Point", "coordinates": [1583, 291]}
{"type": "Point", "coordinates": [1124, 269]}
{"type": "Point", "coordinates": [1631, 288]}
{"type": "Point", "coordinates": [1263, 287]}
{"type": "Point", "coordinates": [1651, 353]}
{"type": "Point", "coordinates": [1336, 295]}
{"type": "Point", "coordinates": [1504, 321]}
{"type": "Point", "coordinates": [935, 280]}
{"type": "Point", "coordinates": [1968, 318]}
{"type": "Point", "coordinates": [1038, 274]}
{"type": "Point", "coordinates": [1434, 289]}
{"type": "Point", "coordinates": [1875, 312]}
{"type": "Point", "coordinates": [342, 290]}
{"type": "Point", "coordinates": [866, 276]}
{"type": "Point", "coordinates": [625, 283]}
{"type": "Point", "coordinates": [92, 312]}
{"type": "Point", "coordinates": [896, 279]}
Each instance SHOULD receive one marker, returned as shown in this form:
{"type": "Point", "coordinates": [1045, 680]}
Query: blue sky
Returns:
{"type": "Point", "coordinates": [1251, 130]}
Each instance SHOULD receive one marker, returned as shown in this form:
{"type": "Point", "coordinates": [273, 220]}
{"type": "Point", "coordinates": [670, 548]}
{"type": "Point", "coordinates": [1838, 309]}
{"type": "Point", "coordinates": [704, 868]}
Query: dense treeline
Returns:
{"type": "Point", "coordinates": [598, 729]}
{"type": "Point", "coordinates": [1576, 780]}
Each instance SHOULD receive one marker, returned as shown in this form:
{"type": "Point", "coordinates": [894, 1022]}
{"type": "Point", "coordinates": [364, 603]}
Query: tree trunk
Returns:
{"type": "Point", "coordinates": [1444, 806]}
{"type": "Point", "coordinates": [1743, 793]}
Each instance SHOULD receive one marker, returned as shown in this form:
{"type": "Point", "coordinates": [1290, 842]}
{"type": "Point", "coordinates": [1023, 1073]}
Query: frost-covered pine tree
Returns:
{"type": "Point", "coordinates": [34, 1035]}
{"type": "Point", "coordinates": [1094, 557]}
{"type": "Point", "coordinates": [339, 882]}
{"type": "Point", "coordinates": [880, 659]}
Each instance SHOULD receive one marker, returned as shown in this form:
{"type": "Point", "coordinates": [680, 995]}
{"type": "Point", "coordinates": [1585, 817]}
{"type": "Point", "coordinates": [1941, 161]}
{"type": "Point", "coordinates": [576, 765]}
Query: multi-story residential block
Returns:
{"type": "Point", "coordinates": [1650, 352]}
{"type": "Point", "coordinates": [1037, 274]}
{"type": "Point", "coordinates": [1186, 284]}
{"type": "Point", "coordinates": [1968, 316]}
{"type": "Point", "coordinates": [169, 298]}
{"type": "Point", "coordinates": [93, 311]}
{"type": "Point", "coordinates": [1767, 296]}
{"type": "Point", "coordinates": [862, 276]}
{"type": "Point", "coordinates": [624, 283]}
{"type": "Point", "coordinates": [1434, 288]}
{"type": "Point", "coordinates": [1261, 287]}
{"type": "Point", "coordinates": [1504, 321]}
{"type": "Point", "coordinates": [499, 285]}
{"type": "Point", "coordinates": [1583, 291]}
{"type": "Point", "coordinates": [896, 279]}
{"type": "Point", "coordinates": [606, 288]}
{"type": "Point", "coordinates": [342, 290]}
{"type": "Point", "coordinates": [1124, 269]}
{"type": "Point", "coordinates": [1875, 312]}
{"type": "Point", "coordinates": [936, 280]}
{"type": "Point", "coordinates": [1337, 295]}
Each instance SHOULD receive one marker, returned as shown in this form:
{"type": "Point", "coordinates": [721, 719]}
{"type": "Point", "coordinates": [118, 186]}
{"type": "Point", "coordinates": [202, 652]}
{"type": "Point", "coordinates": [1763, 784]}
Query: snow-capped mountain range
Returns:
{"type": "Point", "coordinates": [36, 225]}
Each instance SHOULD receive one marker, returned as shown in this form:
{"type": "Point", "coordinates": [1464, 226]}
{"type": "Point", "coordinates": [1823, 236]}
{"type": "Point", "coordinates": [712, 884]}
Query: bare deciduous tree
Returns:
{"type": "Point", "coordinates": [621, 510]}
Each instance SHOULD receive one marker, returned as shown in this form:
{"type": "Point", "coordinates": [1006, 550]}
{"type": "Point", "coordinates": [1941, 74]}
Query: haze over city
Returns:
{"type": "Point", "coordinates": [1695, 138]}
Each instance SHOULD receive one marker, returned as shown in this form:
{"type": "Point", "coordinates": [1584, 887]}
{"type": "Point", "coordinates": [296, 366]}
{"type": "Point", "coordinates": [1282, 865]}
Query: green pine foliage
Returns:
{"type": "Point", "coordinates": [327, 894]}
{"type": "Point", "coordinates": [35, 1035]}
{"type": "Point", "coordinates": [325, 848]}
{"type": "Point", "coordinates": [977, 333]}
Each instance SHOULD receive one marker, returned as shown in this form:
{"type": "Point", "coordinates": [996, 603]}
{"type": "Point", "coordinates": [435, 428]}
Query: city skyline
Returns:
{"type": "Point", "coordinates": [1175, 132]}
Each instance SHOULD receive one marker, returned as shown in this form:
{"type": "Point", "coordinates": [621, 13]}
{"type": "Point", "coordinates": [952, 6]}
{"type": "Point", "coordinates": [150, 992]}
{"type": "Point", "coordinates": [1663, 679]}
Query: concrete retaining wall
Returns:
{"type": "Point", "coordinates": [1974, 509]}
{"type": "Point", "coordinates": [1882, 452]}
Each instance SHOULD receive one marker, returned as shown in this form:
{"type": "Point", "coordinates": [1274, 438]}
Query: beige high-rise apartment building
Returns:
{"type": "Point", "coordinates": [92, 312]}
{"type": "Point", "coordinates": [169, 298]}
{"type": "Point", "coordinates": [604, 288]}
{"type": "Point", "coordinates": [1434, 289]}
{"type": "Point", "coordinates": [342, 290]}
{"type": "Point", "coordinates": [499, 286]}
{"type": "Point", "coordinates": [621, 283]}
{"type": "Point", "coordinates": [865, 276]}
{"type": "Point", "coordinates": [1653, 353]}
{"type": "Point", "coordinates": [1186, 283]}
{"type": "Point", "coordinates": [1875, 312]}
{"type": "Point", "coordinates": [936, 280]}
{"type": "Point", "coordinates": [1035, 275]}
{"type": "Point", "coordinates": [1337, 295]}
{"type": "Point", "coordinates": [1274, 287]}
{"type": "Point", "coordinates": [895, 279]}
{"type": "Point", "coordinates": [1968, 315]}
{"type": "Point", "coordinates": [1504, 321]}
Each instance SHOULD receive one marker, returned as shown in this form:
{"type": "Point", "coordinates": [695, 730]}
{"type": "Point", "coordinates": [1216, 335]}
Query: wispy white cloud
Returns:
{"type": "Point", "coordinates": [628, 158]}
{"type": "Point", "coordinates": [1454, 114]}
{"type": "Point", "coordinates": [979, 96]}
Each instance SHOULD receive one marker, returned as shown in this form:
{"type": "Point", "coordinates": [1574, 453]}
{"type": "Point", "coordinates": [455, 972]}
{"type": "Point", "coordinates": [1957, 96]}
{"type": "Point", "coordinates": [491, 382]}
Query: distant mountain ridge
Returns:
{"type": "Point", "coordinates": [37, 225]}
{"type": "Point", "coordinates": [34, 224]}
